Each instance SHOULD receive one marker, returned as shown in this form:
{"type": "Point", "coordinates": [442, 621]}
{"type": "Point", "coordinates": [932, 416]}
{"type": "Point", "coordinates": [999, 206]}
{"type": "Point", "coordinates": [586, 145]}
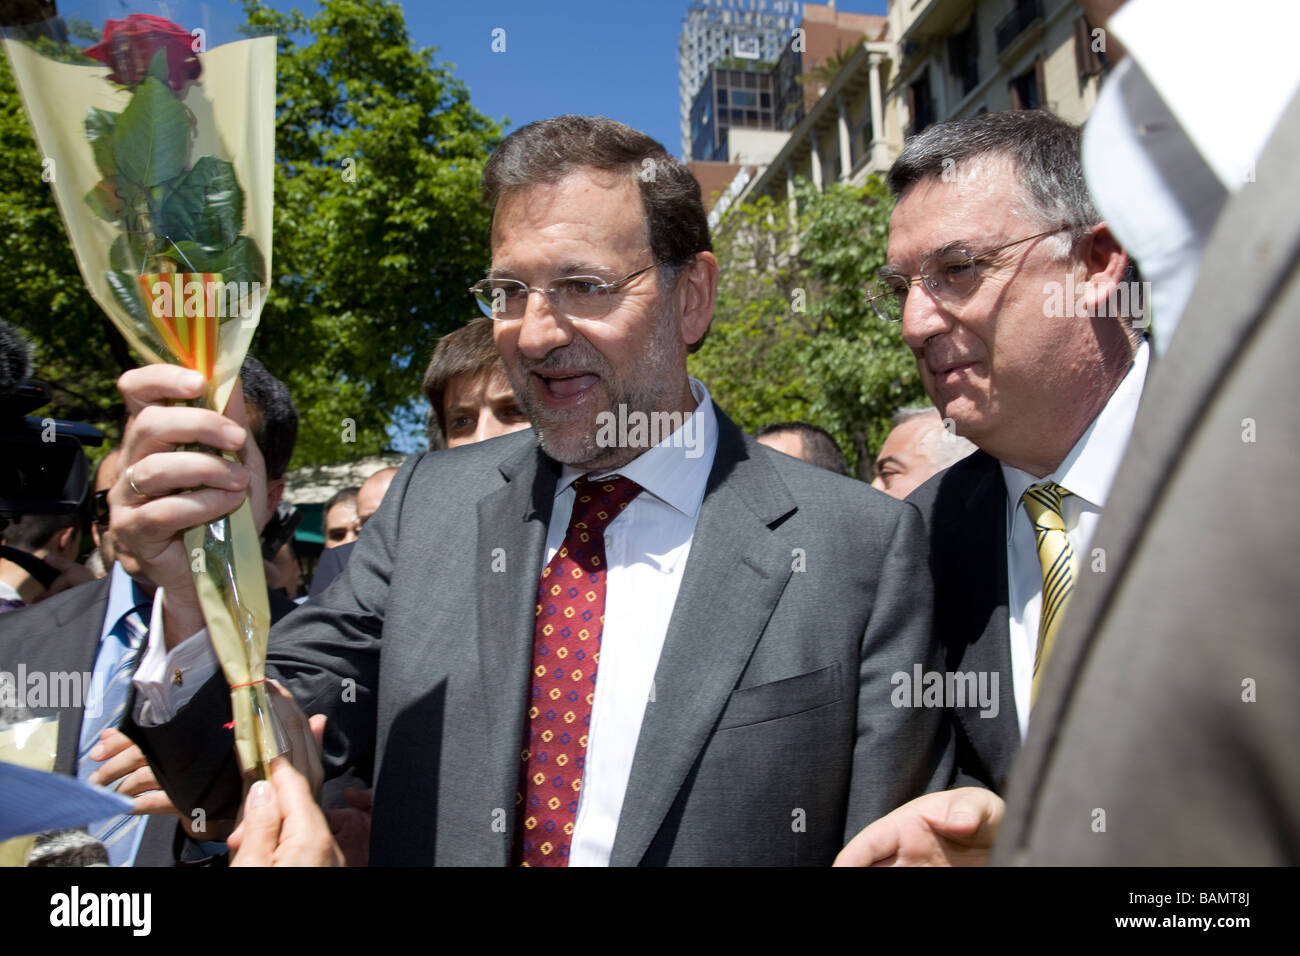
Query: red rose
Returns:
{"type": "Point", "coordinates": [129, 47]}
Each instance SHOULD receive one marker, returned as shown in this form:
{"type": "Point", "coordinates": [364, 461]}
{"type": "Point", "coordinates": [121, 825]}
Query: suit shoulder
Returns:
{"type": "Point", "coordinates": [825, 497]}
{"type": "Point", "coordinates": [954, 483]}
{"type": "Point", "coordinates": [37, 624]}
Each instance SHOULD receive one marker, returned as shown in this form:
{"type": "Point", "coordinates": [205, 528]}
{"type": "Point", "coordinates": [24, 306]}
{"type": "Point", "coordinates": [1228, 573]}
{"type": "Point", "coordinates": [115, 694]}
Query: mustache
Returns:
{"type": "Point", "coordinates": [568, 358]}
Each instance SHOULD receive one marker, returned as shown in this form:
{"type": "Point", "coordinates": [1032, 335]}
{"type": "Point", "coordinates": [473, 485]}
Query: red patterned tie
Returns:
{"type": "Point", "coordinates": [566, 650]}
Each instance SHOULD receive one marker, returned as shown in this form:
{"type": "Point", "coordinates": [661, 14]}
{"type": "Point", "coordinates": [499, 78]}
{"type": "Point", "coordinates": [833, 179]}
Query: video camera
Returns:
{"type": "Point", "coordinates": [43, 469]}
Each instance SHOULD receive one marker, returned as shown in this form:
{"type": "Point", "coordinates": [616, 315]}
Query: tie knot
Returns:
{"type": "Point", "coordinates": [1043, 502]}
{"type": "Point", "coordinates": [597, 503]}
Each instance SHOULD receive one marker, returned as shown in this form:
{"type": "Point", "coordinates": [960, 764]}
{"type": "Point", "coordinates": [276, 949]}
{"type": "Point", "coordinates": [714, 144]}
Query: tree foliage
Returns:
{"type": "Point", "coordinates": [378, 231]}
{"type": "Point", "coordinates": [793, 338]}
{"type": "Point", "coordinates": [379, 228]}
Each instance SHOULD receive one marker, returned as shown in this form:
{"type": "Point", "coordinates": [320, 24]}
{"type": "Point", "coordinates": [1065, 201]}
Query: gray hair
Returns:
{"type": "Point", "coordinates": [944, 447]}
{"type": "Point", "coordinates": [1043, 147]}
{"type": "Point", "coordinates": [1045, 152]}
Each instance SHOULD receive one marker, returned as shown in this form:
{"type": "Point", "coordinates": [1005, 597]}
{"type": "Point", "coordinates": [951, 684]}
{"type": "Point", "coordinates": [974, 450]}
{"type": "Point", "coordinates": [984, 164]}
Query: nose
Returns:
{"type": "Point", "coordinates": [878, 483]}
{"type": "Point", "coordinates": [923, 317]}
{"type": "Point", "coordinates": [542, 329]}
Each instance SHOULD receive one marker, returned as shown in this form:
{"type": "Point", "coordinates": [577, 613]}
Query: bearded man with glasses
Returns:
{"type": "Point", "coordinates": [1018, 304]}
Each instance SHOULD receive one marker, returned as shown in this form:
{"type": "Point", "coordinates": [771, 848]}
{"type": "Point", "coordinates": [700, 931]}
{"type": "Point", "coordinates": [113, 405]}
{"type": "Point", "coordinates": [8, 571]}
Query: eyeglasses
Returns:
{"type": "Point", "coordinates": [577, 297]}
{"type": "Point", "coordinates": [951, 276]}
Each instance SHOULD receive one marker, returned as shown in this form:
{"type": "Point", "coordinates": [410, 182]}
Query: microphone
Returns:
{"type": "Point", "coordinates": [15, 358]}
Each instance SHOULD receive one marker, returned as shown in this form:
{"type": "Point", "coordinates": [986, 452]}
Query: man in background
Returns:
{"type": "Point", "coordinates": [916, 449]}
{"type": "Point", "coordinates": [805, 442]}
{"type": "Point", "coordinates": [371, 494]}
{"type": "Point", "coordinates": [340, 525]}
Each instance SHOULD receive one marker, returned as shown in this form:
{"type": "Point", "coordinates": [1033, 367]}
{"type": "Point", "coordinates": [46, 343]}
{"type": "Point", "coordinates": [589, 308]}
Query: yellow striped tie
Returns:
{"type": "Point", "coordinates": [1043, 502]}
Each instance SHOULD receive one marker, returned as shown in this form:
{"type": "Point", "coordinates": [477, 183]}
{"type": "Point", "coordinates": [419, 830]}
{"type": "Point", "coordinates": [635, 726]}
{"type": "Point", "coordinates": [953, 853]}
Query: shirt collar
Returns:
{"type": "Point", "coordinates": [1229, 129]}
{"type": "Point", "coordinates": [676, 471]}
{"type": "Point", "coordinates": [124, 595]}
{"type": "Point", "coordinates": [1089, 469]}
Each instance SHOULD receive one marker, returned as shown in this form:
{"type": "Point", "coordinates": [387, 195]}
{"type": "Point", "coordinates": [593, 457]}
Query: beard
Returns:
{"type": "Point", "coordinates": [653, 382]}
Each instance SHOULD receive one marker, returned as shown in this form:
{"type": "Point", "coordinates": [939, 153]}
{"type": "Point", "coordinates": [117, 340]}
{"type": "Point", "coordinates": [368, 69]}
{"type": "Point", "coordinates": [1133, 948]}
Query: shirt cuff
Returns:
{"type": "Point", "coordinates": [166, 680]}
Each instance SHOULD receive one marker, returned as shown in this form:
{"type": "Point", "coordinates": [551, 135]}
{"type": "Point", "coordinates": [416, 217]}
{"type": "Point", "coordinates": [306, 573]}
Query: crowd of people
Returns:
{"type": "Point", "coordinates": [536, 646]}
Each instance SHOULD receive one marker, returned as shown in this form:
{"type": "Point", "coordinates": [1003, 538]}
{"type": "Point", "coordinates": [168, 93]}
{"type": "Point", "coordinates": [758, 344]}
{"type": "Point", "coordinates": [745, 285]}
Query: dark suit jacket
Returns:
{"type": "Point", "coordinates": [332, 562]}
{"type": "Point", "coordinates": [1165, 730]}
{"type": "Point", "coordinates": [965, 510]}
{"type": "Point", "coordinates": [771, 739]}
{"type": "Point", "coordinates": [62, 634]}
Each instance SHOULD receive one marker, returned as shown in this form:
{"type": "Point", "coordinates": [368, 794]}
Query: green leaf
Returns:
{"type": "Point", "coordinates": [152, 137]}
{"type": "Point", "coordinates": [127, 254]}
{"type": "Point", "coordinates": [99, 130]}
{"type": "Point", "coordinates": [242, 262]}
{"type": "Point", "coordinates": [103, 200]}
{"type": "Point", "coordinates": [188, 255]}
{"type": "Point", "coordinates": [158, 67]}
{"type": "Point", "coordinates": [126, 290]}
{"type": "Point", "coordinates": [207, 205]}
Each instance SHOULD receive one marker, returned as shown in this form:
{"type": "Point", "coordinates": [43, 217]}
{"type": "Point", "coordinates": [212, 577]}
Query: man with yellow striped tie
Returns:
{"type": "Point", "coordinates": [1022, 312]}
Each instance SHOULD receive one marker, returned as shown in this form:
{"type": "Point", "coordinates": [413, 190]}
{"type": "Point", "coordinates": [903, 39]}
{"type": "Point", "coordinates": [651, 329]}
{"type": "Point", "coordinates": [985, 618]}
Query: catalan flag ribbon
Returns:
{"type": "Point", "coordinates": [182, 307]}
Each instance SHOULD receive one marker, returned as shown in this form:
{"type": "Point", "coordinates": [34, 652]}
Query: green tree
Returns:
{"type": "Point", "coordinates": [76, 349]}
{"type": "Point", "coordinates": [378, 231]}
{"type": "Point", "coordinates": [379, 228]}
{"type": "Point", "coordinates": [792, 336]}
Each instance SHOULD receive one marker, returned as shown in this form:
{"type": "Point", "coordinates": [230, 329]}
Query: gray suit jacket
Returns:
{"type": "Point", "coordinates": [61, 634]}
{"type": "Point", "coordinates": [1166, 727]}
{"type": "Point", "coordinates": [771, 738]}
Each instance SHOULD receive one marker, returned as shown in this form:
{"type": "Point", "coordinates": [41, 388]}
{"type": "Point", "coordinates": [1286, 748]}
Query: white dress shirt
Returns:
{"type": "Point", "coordinates": [646, 549]}
{"type": "Point", "coordinates": [1169, 140]}
{"type": "Point", "coordinates": [1087, 473]}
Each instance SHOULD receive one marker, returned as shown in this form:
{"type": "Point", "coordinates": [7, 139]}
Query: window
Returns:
{"type": "Point", "coordinates": [1027, 89]}
{"type": "Point", "coordinates": [963, 57]}
{"type": "Point", "coordinates": [920, 104]}
{"type": "Point", "coordinates": [1089, 50]}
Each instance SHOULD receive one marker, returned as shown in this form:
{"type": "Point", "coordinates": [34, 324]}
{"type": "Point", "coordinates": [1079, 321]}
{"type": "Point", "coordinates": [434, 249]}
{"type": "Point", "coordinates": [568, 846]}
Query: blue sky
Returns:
{"type": "Point", "coordinates": [614, 58]}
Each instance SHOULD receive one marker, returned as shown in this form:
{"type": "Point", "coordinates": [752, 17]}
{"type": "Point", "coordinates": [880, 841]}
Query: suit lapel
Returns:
{"type": "Point", "coordinates": [1255, 238]}
{"type": "Point", "coordinates": [975, 567]}
{"type": "Point", "coordinates": [735, 574]}
{"type": "Point", "coordinates": [79, 626]}
{"type": "Point", "coordinates": [511, 537]}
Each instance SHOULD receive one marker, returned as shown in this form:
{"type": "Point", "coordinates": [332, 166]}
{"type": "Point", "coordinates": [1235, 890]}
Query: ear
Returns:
{"type": "Point", "coordinates": [274, 492]}
{"type": "Point", "coordinates": [68, 540]}
{"type": "Point", "coordinates": [696, 292]}
{"type": "Point", "coordinates": [1104, 261]}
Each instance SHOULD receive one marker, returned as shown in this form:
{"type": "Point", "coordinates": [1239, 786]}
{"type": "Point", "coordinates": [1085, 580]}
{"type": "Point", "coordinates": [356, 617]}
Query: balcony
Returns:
{"type": "Point", "coordinates": [1022, 16]}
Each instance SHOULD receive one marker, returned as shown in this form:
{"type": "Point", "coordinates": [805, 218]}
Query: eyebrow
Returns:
{"type": "Point", "coordinates": [565, 270]}
{"type": "Point", "coordinates": [884, 461]}
{"type": "Point", "coordinates": [957, 245]}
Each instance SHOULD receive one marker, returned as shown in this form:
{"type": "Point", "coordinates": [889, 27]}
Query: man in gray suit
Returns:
{"type": "Point", "coordinates": [1169, 712]}
{"type": "Point", "coordinates": [753, 613]}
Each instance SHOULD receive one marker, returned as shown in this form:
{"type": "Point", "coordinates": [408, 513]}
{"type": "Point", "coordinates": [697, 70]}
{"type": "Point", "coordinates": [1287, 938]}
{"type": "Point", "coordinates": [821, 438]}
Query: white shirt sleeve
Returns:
{"type": "Point", "coordinates": [166, 680]}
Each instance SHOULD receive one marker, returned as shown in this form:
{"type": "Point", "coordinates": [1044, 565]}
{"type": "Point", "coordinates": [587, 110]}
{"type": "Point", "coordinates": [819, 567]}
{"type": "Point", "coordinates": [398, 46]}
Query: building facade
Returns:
{"type": "Point", "coordinates": [935, 61]}
{"type": "Point", "coordinates": [717, 30]}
